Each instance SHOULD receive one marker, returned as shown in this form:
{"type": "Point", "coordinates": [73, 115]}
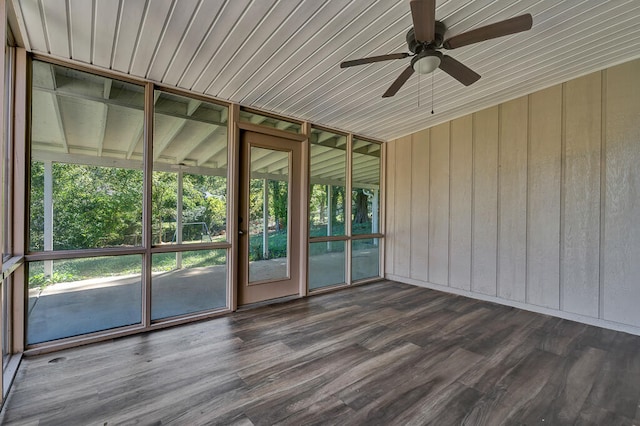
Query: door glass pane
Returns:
{"type": "Point", "coordinates": [365, 258]}
{"type": "Point", "coordinates": [328, 183]}
{"type": "Point", "coordinates": [83, 296]}
{"type": "Point", "coordinates": [268, 215]}
{"type": "Point", "coordinates": [365, 194]}
{"type": "Point", "coordinates": [188, 282]}
{"type": "Point", "coordinates": [326, 264]}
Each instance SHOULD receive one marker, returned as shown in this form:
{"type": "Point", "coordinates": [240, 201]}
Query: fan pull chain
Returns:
{"type": "Point", "coordinates": [432, 92]}
{"type": "Point", "coordinates": [419, 80]}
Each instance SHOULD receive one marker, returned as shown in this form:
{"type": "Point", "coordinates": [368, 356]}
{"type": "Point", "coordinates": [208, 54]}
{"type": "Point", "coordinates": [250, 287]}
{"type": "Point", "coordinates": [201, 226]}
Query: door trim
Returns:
{"type": "Point", "coordinates": [256, 128]}
{"type": "Point", "coordinates": [298, 226]}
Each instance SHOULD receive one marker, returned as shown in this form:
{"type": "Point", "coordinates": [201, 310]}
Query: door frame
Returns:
{"type": "Point", "coordinates": [303, 196]}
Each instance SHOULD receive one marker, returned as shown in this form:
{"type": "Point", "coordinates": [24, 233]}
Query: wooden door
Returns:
{"type": "Point", "coordinates": [269, 222]}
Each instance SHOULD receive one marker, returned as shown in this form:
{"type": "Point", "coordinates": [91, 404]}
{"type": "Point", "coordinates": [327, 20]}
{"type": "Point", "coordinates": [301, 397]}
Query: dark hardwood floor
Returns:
{"type": "Point", "coordinates": [384, 353]}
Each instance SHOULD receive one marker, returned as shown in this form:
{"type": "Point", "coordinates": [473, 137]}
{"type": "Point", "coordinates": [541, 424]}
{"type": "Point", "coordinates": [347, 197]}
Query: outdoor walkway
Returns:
{"type": "Point", "coordinates": [81, 307]}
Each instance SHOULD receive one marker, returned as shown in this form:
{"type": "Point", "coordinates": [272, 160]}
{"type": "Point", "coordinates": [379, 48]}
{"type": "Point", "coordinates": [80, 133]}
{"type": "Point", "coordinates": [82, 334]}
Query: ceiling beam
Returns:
{"type": "Point", "coordinates": [214, 152]}
{"type": "Point", "coordinates": [102, 129]}
{"type": "Point", "coordinates": [57, 109]}
{"type": "Point", "coordinates": [167, 138]}
{"type": "Point", "coordinates": [269, 160]}
{"type": "Point", "coordinates": [92, 160]}
{"type": "Point", "coordinates": [137, 137]}
{"type": "Point", "coordinates": [118, 103]}
{"type": "Point", "coordinates": [190, 147]}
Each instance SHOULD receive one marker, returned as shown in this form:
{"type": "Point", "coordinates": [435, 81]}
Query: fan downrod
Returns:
{"type": "Point", "coordinates": [416, 47]}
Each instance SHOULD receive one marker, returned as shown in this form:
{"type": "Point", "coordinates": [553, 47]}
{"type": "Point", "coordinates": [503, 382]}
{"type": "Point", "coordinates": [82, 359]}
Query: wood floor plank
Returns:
{"type": "Point", "coordinates": [383, 353]}
{"type": "Point", "coordinates": [562, 397]}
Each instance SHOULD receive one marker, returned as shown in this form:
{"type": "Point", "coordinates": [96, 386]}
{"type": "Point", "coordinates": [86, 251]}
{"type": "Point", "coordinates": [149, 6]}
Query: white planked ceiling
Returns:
{"type": "Point", "coordinates": [282, 55]}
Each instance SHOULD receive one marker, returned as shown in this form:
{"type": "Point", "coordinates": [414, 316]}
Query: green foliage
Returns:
{"type": "Point", "coordinates": [279, 202]}
{"type": "Point", "coordinates": [277, 241]}
{"type": "Point", "coordinates": [102, 206]}
{"type": "Point", "coordinates": [319, 212]}
{"type": "Point", "coordinates": [164, 194]}
{"type": "Point", "coordinates": [92, 206]}
{"type": "Point", "coordinates": [40, 280]}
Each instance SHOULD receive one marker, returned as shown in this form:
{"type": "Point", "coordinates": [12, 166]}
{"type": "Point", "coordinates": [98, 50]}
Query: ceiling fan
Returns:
{"type": "Point", "coordinates": [426, 38]}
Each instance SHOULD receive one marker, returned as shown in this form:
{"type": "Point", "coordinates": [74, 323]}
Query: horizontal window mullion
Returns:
{"type": "Point", "coordinates": [171, 248]}
{"type": "Point", "coordinates": [83, 253]}
{"type": "Point", "coordinates": [366, 236]}
{"type": "Point", "coordinates": [328, 238]}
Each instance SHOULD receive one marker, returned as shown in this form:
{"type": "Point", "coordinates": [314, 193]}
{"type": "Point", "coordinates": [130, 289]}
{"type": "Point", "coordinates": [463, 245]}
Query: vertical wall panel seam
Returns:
{"type": "Point", "coordinates": [603, 189]}
{"type": "Point", "coordinates": [428, 201]}
{"type": "Point", "coordinates": [395, 203]}
{"type": "Point", "coordinates": [498, 166]}
{"type": "Point", "coordinates": [563, 163]}
{"type": "Point", "coordinates": [449, 212]}
{"type": "Point", "coordinates": [429, 210]}
{"type": "Point", "coordinates": [473, 193]}
{"type": "Point", "coordinates": [410, 165]}
{"type": "Point", "coordinates": [526, 233]}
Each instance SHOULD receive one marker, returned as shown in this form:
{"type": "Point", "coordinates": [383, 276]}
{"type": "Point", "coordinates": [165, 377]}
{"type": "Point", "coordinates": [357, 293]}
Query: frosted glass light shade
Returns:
{"type": "Point", "coordinates": [426, 64]}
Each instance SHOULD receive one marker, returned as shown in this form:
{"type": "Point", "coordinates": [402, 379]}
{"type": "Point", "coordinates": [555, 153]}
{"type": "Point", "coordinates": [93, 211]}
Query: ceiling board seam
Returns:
{"type": "Point", "coordinates": [362, 70]}
{"type": "Point", "coordinates": [46, 27]}
{"type": "Point", "coordinates": [326, 58]}
{"type": "Point", "coordinates": [211, 60]}
{"type": "Point", "coordinates": [269, 12]}
{"type": "Point", "coordinates": [136, 44]}
{"type": "Point", "coordinates": [327, 41]}
{"type": "Point", "coordinates": [257, 53]}
{"type": "Point", "coordinates": [116, 39]}
{"type": "Point", "coordinates": [67, 12]}
{"type": "Point", "coordinates": [165, 24]}
{"type": "Point", "coordinates": [93, 25]}
{"type": "Point", "coordinates": [202, 41]}
{"type": "Point", "coordinates": [180, 43]}
{"type": "Point", "coordinates": [184, 36]}
{"type": "Point", "coordinates": [282, 46]}
{"type": "Point", "coordinates": [163, 32]}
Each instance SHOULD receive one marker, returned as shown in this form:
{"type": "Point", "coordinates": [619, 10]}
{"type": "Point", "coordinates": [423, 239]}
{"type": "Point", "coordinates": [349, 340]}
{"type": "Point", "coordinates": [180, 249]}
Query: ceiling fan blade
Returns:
{"type": "Point", "coordinates": [499, 29]}
{"type": "Point", "coordinates": [402, 78]}
{"type": "Point", "coordinates": [372, 59]}
{"type": "Point", "coordinates": [423, 13]}
{"type": "Point", "coordinates": [458, 70]}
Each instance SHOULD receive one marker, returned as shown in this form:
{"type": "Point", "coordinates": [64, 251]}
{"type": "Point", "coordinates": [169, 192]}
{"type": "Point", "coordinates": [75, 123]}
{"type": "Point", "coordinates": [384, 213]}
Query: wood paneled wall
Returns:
{"type": "Point", "coordinates": [533, 203]}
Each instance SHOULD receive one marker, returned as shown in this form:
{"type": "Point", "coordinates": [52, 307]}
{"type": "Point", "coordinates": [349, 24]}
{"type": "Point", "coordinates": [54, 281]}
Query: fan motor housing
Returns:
{"type": "Point", "coordinates": [416, 47]}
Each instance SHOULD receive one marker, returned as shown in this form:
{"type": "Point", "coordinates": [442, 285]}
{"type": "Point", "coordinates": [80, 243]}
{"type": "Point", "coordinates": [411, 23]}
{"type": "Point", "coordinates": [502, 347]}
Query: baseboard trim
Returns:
{"type": "Point", "coordinates": [611, 325]}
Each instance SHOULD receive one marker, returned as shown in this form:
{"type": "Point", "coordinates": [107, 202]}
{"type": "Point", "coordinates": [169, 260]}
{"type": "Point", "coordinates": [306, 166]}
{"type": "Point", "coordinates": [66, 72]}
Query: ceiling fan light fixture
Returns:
{"type": "Point", "coordinates": [426, 62]}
